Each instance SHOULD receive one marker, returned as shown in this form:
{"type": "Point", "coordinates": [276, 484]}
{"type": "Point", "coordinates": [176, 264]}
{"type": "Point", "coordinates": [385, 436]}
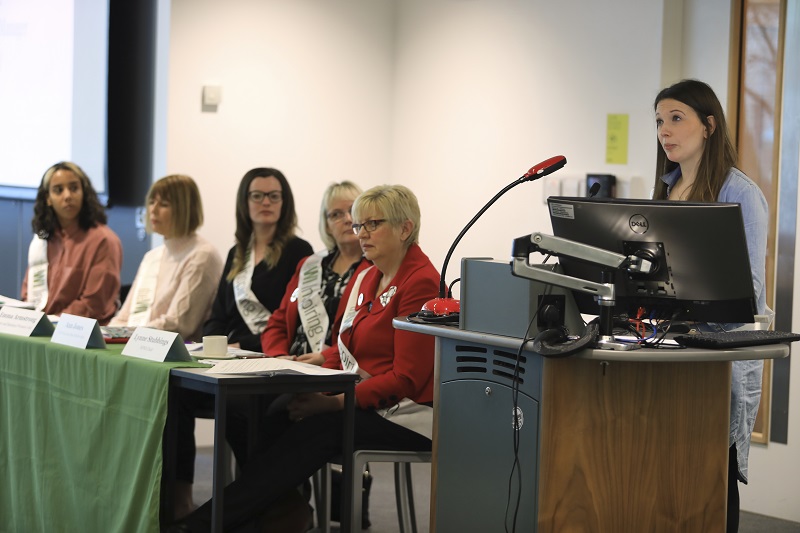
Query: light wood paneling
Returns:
{"type": "Point", "coordinates": [627, 447]}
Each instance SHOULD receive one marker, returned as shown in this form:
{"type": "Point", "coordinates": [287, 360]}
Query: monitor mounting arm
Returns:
{"type": "Point", "coordinates": [603, 292]}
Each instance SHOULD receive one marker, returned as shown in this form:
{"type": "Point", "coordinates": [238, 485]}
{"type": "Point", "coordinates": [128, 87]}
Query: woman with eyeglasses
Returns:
{"type": "Point", "coordinates": [262, 261]}
{"type": "Point", "coordinates": [249, 289]}
{"type": "Point", "coordinates": [301, 327]}
{"type": "Point", "coordinates": [395, 396]}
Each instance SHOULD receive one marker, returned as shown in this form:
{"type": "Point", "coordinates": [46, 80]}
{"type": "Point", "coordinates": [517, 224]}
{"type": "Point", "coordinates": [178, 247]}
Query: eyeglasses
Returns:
{"type": "Point", "coordinates": [337, 215]}
{"type": "Point", "coordinates": [258, 196]}
{"type": "Point", "coordinates": [368, 225]}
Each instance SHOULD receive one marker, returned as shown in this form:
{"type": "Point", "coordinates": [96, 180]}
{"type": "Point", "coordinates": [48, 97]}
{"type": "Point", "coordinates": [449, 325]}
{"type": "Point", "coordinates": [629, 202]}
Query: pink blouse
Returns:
{"type": "Point", "coordinates": [83, 274]}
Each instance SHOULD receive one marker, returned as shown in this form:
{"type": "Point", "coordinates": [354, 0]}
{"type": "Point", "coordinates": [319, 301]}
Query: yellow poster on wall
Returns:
{"type": "Point", "coordinates": [617, 139]}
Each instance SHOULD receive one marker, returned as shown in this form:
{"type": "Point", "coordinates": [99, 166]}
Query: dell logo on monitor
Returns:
{"type": "Point", "coordinates": [639, 224]}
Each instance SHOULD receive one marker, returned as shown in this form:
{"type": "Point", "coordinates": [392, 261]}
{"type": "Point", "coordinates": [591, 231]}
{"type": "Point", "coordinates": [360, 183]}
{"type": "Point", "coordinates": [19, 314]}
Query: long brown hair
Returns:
{"type": "Point", "coordinates": [719, 153]}
{"type": "Point", "coordinates": [287, 223]}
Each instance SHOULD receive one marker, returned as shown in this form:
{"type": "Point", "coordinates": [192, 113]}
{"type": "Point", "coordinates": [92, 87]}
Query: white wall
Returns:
{"type": "Point", "coordinates": [486, 89]}
{"type": "Point", "coordinates": [306, 88]}
{"type": "Point", "coordinates": [453, 98]}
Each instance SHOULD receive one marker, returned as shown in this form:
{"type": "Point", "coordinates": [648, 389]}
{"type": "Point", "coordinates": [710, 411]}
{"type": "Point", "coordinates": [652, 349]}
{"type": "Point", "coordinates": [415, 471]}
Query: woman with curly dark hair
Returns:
{"type": "Point", "coordinates": [74, 259]}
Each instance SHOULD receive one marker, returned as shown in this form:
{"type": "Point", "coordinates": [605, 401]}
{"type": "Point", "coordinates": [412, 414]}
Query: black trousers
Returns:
{"type": "Point", "coordinates": [292, 452]}
{"type": "Point", "coordinates": [189, 404]}
{"type": "Point", "coordinates": [733, 491]}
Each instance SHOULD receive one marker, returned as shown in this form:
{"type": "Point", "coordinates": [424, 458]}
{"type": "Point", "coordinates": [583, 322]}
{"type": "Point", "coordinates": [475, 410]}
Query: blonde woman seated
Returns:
{"type": "Point", "coordinates": [393, 400]}
{"type": "Point", "coordinates": [301, 327]}
{"type": "Point", "coordinates": [176, 282]}
{"type": "Point", "coordinates": [74, 259]}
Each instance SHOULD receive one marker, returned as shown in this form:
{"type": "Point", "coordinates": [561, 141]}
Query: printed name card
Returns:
{"type": "Point", "coordinates": [24, 322]}
{"type": "Point", "coordinates": [78, 332]}
{"type": "Point", "coordinates": [157, 345]}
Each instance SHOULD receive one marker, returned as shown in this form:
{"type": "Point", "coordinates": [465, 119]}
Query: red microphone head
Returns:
{"type": "Point", "coordinates": [440, 307]}
{"type": "Point", "coordinates": [548, 166]}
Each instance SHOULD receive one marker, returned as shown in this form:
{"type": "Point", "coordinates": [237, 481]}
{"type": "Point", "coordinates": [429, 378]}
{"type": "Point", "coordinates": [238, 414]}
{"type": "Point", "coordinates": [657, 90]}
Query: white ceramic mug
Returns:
{"type": "Point", "coordinates": [215, 345]}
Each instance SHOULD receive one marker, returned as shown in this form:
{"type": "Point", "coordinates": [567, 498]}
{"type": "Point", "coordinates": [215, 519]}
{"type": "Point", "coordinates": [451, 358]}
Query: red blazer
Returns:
{"type": "Point", "coordinates": [400, 362]}
{"type": "Point", "coordinates": [278, 336]}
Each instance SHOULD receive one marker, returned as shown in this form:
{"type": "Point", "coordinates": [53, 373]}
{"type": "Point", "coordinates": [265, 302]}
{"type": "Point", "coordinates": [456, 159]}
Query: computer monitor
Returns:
{"type": "Point", "coordinates": [699, 249]}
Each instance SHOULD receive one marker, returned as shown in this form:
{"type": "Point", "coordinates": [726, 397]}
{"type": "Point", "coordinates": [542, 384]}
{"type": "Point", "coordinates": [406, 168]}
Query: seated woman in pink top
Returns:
{"type": "Point", "coordinates": [74, 259]}
{"type": "Point", "coordinates": [173, 291]}
{"type": "Point", "coordinates": [177, 281]}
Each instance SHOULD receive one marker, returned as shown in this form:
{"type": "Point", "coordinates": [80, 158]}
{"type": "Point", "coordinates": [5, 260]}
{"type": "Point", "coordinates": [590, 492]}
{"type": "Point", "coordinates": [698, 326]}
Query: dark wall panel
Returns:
{"type": "Point", "coordinates": [15, 219]}
{"type": "Point", "coordinates": [131, 100]}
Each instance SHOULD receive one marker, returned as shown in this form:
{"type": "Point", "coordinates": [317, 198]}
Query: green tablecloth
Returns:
{"type": "Point", "coordinates": [80, 438]}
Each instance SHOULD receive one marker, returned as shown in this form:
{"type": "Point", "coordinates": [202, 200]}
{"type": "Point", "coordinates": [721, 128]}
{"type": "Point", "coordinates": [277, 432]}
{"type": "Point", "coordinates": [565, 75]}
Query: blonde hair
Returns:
{"type": "Point", "coordinates": [184, 197]}
{"type": "Point", "coordinates": [395, 203]}
{"type": "Point", "coordinates": [335, 191]}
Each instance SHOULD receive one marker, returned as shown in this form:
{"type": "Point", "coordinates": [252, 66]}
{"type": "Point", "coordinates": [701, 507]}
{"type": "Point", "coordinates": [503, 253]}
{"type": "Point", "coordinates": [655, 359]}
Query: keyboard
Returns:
{"type": "Point", "coordinates": [116, 334]}
{"type": "Point", "coordinates": [735, 339]}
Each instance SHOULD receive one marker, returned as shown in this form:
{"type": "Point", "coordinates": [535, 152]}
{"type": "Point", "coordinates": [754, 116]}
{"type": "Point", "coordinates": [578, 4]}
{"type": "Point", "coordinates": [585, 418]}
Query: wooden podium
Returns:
{"type": "Point", "coordinates": [608, 441]}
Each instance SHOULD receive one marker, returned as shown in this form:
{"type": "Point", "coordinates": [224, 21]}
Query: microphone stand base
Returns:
{"type": "Point", "coordinates": [609, 343]}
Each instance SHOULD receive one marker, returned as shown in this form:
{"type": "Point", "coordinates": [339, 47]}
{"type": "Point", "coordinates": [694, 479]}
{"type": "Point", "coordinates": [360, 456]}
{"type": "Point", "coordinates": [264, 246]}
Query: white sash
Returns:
{"type": "Point", "coordinates": [253, 312]}
{"type": "Point", "coordinates": [349, 363]}
{"type": "Point", "coordinates": [37, 273]}
{"type": "Point", "coordinates": [144, 293]}
{"type": "Point", "coordinates": [309, 302]}
{"type": "Point", "coordinates": [409, 414]}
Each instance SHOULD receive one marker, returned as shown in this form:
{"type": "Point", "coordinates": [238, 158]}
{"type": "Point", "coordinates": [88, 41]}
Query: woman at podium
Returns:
{"type": "Point", "coordinates": [74, 259]}
{"type": "Point", "coordinates": [697, 162]}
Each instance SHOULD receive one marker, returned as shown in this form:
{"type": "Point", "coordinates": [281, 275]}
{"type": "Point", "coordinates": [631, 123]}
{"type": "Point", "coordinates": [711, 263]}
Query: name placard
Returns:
{"type": "Point", "coordinates": [24, 322]}
{"type": "Point", "coordinates": [78, 332]}
{"type": "Point", "coordinates": [157, 345]}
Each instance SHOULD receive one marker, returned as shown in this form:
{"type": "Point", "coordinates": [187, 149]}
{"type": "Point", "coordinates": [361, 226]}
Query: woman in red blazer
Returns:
{"type": "Point", "coordinates": [301, 327]}
{"type": "Point", "coordinates": [395, 396]}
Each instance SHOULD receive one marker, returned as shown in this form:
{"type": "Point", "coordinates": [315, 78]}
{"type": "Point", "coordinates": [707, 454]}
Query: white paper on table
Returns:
{"type": "Point", "coordinates": [13, 302]}
{"type": "Point", "coordinates": [269, 364]}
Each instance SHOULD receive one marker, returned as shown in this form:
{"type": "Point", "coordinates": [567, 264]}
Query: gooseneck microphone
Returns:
{"type": "Point", "coordinates": [447, 306]}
